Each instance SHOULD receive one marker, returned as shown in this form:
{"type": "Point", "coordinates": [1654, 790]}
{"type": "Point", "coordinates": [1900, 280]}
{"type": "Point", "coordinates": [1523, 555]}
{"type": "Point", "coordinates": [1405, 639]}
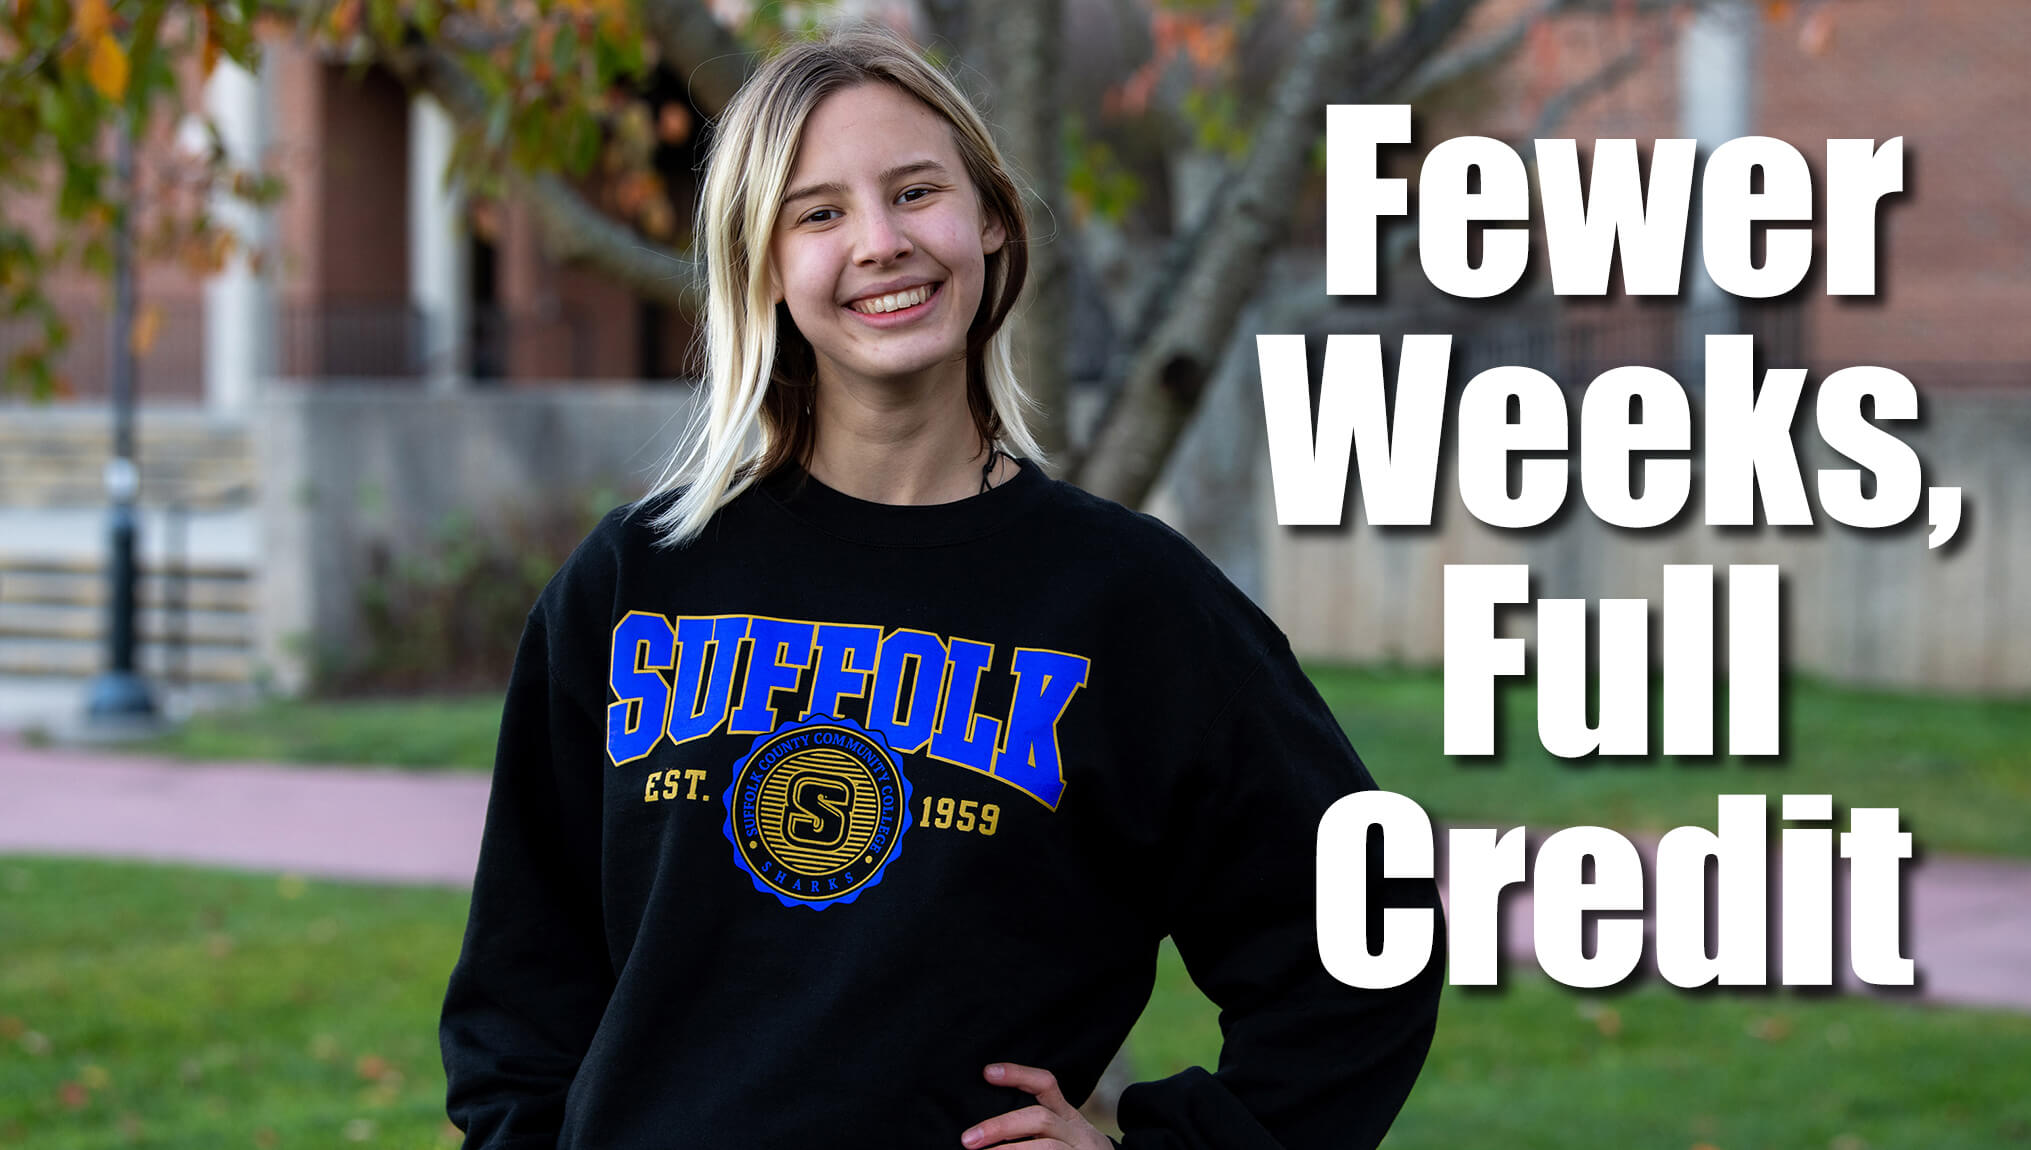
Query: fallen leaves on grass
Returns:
{"type": "Point", "coordinates": [1772, 1028]}
{"type": "Point", "coordinates": [1606, 1019]}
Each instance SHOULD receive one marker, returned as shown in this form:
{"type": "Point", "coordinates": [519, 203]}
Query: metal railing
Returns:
{"type": "Point", "coordinates": [373, 339]}
{"type": "Point", "coordinates": [172, 367]}
{"type": "Point", "coordinates": [547, 345]}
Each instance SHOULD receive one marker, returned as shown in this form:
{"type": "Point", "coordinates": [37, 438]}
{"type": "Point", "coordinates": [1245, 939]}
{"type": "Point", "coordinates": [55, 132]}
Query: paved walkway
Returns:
{"type": "Point", "coordinates": [324, 822]}
{"type": "Point", "coordinates": [1968, 923]}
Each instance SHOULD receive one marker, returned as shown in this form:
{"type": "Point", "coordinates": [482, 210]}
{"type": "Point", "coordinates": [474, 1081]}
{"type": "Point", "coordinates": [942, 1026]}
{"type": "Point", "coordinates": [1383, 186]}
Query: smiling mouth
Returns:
{"type": "Point", "coordinates": [895, 301]}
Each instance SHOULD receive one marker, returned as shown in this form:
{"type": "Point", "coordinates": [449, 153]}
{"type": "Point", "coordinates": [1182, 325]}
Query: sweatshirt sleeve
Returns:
{"type": "Point", "coordinates": [1307, 1061]}
{"type": "Point", "coordinates": [533, 977]}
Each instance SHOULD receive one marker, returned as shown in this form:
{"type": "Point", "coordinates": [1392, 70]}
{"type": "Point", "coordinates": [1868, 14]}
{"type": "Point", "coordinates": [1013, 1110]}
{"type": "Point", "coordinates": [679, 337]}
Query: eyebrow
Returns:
{"type": "Point", "coordinates": [914, 167]}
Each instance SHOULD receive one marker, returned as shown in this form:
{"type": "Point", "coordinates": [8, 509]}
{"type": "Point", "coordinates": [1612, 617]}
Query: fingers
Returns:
{"type": "Point", "coordinates": [1052, 1124]}
{"type": "Point", "coordinates": [1031, 1080]}
{"type": "Point", "coordinates": [1029, 1122]}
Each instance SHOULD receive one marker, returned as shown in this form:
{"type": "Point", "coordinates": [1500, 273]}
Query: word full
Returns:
{"type": "Point", "coordinates": [1476, 656]}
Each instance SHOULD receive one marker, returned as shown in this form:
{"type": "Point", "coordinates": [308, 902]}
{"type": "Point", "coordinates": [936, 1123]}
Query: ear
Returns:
{"type": "Point", "coordinates": [775, 282]}
{"type": "Point", "coordinates": [992, 235]}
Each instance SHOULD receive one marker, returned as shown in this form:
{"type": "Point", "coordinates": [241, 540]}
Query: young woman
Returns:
{"type": "Point", "coordinates": [848, 782]}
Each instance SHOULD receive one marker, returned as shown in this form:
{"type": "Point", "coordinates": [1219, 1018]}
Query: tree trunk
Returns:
{"type": "Point", "coordinates": [1169, 372]}
{"type": "Point", "coordinates": [1026, 35]}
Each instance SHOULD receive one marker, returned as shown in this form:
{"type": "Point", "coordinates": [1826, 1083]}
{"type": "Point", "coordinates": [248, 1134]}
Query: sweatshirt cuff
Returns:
{"type": "Point", "coordinates": [1190, 1110]}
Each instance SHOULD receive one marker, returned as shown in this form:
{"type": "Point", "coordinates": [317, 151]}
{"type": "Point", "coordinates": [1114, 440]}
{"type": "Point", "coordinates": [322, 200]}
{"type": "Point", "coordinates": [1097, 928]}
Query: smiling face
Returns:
{"type": "Point", "coordinates": [881, 243]}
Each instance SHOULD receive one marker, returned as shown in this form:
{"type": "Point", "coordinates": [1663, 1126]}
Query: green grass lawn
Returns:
{"type": "Point", "coordinates": [170, 1007]}
{"type": "Point", "coordinates": [166, 1007]}
{"type": "Point", "coordinates": [1960, 769]}
{"type": "Point", "coordinates": [456, 732]}
{"type": "Point", "coordinates": [1534, 1064]}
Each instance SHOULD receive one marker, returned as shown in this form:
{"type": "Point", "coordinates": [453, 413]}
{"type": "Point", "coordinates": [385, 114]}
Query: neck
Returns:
{"type": "Point", "coordinates": [896, 443]}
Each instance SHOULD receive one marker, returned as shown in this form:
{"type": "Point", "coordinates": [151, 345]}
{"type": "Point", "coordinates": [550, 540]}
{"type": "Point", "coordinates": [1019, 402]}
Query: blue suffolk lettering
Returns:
{"type": "Point", "coordinates": [634, 722]}
{"type": "Point", "coordinates": [699, 640]}
{"type": "Point", "coordinates": [962, 736]}
{"type": "Point", "coordinates": [1045, 684]}
{"type": "Point", "coordinates": [907, 721]}
{"type": "Point", "coordinates": [778, 653]}
{"type": "Point", "coordinates": [923, 691]}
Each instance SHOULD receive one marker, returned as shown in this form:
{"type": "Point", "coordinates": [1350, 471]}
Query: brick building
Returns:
{"type": "Point", "coordinates": [379, 271]}
{"type": "Point", "coordinates": [1948, 76]}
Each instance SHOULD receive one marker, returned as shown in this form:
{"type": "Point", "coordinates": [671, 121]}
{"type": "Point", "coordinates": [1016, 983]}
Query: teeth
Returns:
{"type": "Point", "coordinates": [894, 301]}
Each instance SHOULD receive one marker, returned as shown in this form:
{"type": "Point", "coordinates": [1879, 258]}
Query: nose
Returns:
{"type": "Point", "coordinates": [882, 239]}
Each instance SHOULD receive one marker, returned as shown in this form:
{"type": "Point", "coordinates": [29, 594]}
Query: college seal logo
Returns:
{"type": "Point", "coordinates": [816, 811]}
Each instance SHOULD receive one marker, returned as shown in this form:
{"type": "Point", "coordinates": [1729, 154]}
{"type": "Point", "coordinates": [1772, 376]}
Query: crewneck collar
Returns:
{"type": "Point", "coordinates": [807, 499]}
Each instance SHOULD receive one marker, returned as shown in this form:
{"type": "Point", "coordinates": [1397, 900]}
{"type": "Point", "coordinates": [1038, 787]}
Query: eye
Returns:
{"type": "Point", "coordinates": [912, 195]}
{"type": "Point", "coordinates": [818, 216]}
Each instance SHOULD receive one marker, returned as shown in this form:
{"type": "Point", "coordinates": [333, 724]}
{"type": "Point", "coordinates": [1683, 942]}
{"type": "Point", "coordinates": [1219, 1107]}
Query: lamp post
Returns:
{"type": "Point", "coordinates": [119, 696]}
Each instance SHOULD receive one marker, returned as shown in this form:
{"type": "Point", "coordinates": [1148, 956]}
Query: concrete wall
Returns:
{"type": "Point", "coordinates": [1869, 607]}
{"type": "Point", "coordinates": [349, 469]}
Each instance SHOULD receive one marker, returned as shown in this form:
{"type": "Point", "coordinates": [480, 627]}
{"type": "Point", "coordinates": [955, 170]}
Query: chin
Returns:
{"type": "Point", "coordinates": [902, 366]}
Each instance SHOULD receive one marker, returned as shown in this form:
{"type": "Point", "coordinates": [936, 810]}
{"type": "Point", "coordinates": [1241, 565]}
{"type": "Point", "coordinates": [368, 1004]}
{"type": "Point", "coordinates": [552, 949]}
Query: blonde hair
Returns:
{"type": "Point", "coordinates": [759, 369]}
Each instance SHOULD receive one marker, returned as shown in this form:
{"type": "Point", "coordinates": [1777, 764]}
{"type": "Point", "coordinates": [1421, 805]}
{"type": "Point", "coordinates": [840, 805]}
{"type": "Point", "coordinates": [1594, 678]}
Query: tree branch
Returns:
{"type": "Point", "coordinates": [1171, 369]}
{"type": "Point", "coordinates": [1386, 71]}
{"type": "Point", "coordinates": [1224, 259]}
{"type": "Point", "coordinates": [1432, 26]}
{"type": "Point", "coordinates": [1479, 56]}
{"type": "Point", "coordinates": [710, 60]}
{"type": "Point", "coordinates": [1489, 51]}
{"type": "Point", "coordinates": [573, 230]}
{"type": "Point", "coordinates": [1579, 91]}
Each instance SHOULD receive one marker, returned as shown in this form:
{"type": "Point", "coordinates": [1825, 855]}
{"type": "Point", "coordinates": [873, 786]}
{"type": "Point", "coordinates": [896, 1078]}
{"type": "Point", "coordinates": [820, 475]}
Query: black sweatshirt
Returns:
{"type": "Point", "coordinates": [797, 828]}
